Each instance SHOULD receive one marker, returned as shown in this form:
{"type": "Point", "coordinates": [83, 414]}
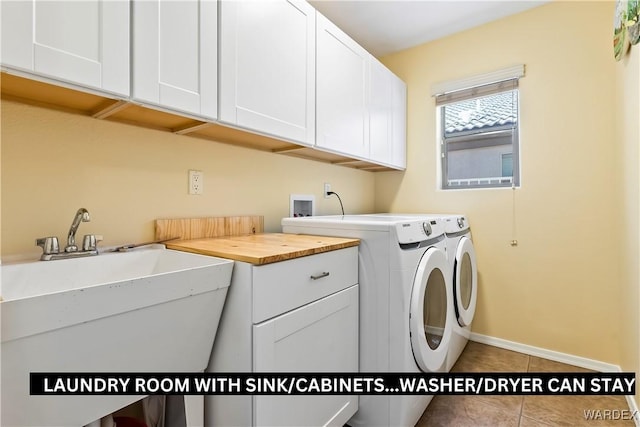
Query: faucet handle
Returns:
{"type": "Point", "coordinates": [90, 242]}
{"type": "Point", "coordinates": [49, 245]}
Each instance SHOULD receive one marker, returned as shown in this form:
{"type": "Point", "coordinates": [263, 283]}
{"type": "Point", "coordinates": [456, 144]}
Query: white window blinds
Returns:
{"type": "Point", "coordinates": [477, 86]}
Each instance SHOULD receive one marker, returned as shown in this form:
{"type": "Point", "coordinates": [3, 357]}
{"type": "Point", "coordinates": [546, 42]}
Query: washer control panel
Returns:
{"type": "Point", "coordinates": [419, 230]}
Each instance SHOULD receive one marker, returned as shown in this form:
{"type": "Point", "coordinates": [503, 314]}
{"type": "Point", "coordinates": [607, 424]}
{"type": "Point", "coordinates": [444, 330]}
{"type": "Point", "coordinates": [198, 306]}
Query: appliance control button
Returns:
{"type": "Point", "coordinates": [427, 228]}
{"type": "Point", "coordinates": [460, 222]}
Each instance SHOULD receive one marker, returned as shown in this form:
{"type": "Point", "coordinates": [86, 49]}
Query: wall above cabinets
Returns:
{"type": "Point", "coordinates": [239, 75]}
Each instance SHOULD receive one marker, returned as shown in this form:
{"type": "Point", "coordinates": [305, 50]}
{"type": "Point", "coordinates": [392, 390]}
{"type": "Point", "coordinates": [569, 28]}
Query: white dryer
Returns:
{"type": "Point", "coordinates": [406, 300]}
{"type": "Point", "coordinates": [464, 274]}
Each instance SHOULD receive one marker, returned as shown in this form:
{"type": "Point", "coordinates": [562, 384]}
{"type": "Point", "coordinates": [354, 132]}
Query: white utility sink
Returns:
{"type": "Point", "coordinates": [147, 310]}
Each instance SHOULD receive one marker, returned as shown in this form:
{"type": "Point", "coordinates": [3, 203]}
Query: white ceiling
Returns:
{"type": "Point", "coordinates": [388, 26]}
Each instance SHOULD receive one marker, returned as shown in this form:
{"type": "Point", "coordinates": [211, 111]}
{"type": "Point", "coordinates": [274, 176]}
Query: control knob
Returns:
{"type": "Point", "coordinates": [427, 228]}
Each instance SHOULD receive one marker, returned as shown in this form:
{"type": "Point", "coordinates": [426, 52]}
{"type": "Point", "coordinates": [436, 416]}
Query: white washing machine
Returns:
{"type": "Point", "coordinates": [406, 320]}
{"type": "Point", "coordinates": [464, 275]}
{"type": "Point", "coordinates": [463, 271]}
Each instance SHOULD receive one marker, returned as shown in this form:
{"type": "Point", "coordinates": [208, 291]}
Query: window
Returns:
{"type": "Point", "coordinates": [479, 134]}
{"type": "Point", "coordinates": [507, 164]}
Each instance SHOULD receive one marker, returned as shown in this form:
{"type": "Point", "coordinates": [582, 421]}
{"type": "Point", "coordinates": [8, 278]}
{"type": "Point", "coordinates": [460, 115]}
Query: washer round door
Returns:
{"type": "Point", "coordinates": [465, 281]}
{"type": "Point", "coordinates": [430, 319]}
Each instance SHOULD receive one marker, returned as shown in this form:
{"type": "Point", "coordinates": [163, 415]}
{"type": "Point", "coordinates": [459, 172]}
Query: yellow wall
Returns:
{"type": "Point", "coordinates": [628, 136]}
{"type": "Point", "coordinates": [559, 288]}
{"type": "Point", "coordinates": [54, 163]}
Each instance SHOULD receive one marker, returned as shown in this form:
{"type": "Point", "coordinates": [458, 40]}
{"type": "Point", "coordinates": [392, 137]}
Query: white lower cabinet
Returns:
{"type": "Point", "coordinates": [300, 316]}
{"type": "Point", "coordinates": [318, 337]}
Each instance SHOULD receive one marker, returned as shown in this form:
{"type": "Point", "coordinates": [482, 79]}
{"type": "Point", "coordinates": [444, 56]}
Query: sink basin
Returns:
{"type": "Point", "coordinates": [147, 310]}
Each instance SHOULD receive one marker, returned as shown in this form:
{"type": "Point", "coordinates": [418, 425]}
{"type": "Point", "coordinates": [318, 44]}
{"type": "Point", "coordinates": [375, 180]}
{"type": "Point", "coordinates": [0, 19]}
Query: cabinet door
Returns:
{"type": "Point", "coordinates": [387, 116]}
{"type": "Point", "coordinates": [81, 42]}
{"type": "Point", "coordinates": [341, 92]}
{"type": "Point", "coordinates": [319, 337]}
{"type": "Point", "coordinates": [399, 123]}
{"type": "Point", "coordinates": [267, 74]}
{"type": "Point", "coordinates": [175, 55]}
{"type": "Point", "coordinates": [380, 115]}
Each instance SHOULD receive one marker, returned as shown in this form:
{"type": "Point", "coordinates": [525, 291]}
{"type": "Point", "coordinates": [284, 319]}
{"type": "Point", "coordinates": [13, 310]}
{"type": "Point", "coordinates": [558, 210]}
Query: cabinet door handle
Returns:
{"type": "Point", "coordinates": [320, 276]}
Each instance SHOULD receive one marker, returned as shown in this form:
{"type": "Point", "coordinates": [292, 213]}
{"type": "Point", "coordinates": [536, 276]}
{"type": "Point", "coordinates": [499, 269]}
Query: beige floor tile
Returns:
{"type": "Point", "coordinates": [522, 411]}
{"type": "Point", "coordinates": [538, 364]}
{"type": "Point", "coordinates": [478, 357]}
{"type": "Point", "coordinates": [570, 410]}
{"type": "Point", "coordinates": [510, 404]}
{"type": "Point", "coordinates": [528, 422]}
{"type": "Point", "coordinates": [465, 411]}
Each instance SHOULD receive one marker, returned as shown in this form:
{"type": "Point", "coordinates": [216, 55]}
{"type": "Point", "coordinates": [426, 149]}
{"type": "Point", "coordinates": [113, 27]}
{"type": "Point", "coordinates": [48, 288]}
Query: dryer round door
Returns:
{"type": "Point", "coordinates": [430, 319]}
{"type": "Point", "coordinates": [465, 281]}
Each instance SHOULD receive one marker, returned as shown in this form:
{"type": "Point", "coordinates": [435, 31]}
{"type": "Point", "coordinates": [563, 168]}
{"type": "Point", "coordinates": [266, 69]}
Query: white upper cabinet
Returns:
{"type": "Point", "coordinates": [175, 55]}
{"type": "Point", "coordinates": [398, 123]}
{"type": "Point", "coordinates": [267, 67]}
{"type": "Point", "coordinates": [387, 116]}
{"type": "Point", "coordinates": [342, 91]}
{"type": "Point", "coordinates": [380, 100]}
{"type": "Point", "coordinates": [85, 43]}
{"type": "Point", "coordinates": [272, 67]}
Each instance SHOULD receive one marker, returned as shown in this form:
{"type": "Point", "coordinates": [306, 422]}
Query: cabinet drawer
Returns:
{"type": "Point", "coordinates": [283, 286]}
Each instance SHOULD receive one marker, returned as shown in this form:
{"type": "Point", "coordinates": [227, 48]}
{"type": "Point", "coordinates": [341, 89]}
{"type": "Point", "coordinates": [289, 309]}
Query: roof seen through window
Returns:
{"type": "Point", "coordinates": [494, 111]}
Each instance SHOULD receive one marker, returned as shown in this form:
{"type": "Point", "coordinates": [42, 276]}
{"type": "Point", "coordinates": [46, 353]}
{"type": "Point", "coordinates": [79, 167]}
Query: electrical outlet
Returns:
{"type": "Point", "coordinates": [196, 182]}
{"type": "Point", "coordinates": [327, 190]}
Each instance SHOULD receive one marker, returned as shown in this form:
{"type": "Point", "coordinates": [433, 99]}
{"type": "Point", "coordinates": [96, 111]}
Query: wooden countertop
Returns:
{"type": "Point", "coordinates": [265, 248]}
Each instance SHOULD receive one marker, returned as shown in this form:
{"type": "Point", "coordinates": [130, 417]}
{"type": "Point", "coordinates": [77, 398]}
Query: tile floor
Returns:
{"type": "Point", "coordinates": [516, 411]}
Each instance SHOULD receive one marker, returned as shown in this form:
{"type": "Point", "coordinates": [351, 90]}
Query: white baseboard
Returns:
{"type": "Point", "coordinates": [557, 356]}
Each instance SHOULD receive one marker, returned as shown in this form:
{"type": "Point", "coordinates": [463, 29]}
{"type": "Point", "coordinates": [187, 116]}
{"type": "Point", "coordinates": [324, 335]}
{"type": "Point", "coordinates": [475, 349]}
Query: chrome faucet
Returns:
{"type": "Point", "coordinates": [81, 216]}
{"type": "Point", "coordinates": [50, 247]}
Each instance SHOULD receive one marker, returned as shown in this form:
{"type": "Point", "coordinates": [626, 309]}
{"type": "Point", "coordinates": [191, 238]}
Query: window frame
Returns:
{"type": "Point", "coordinates": [513, 130]}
